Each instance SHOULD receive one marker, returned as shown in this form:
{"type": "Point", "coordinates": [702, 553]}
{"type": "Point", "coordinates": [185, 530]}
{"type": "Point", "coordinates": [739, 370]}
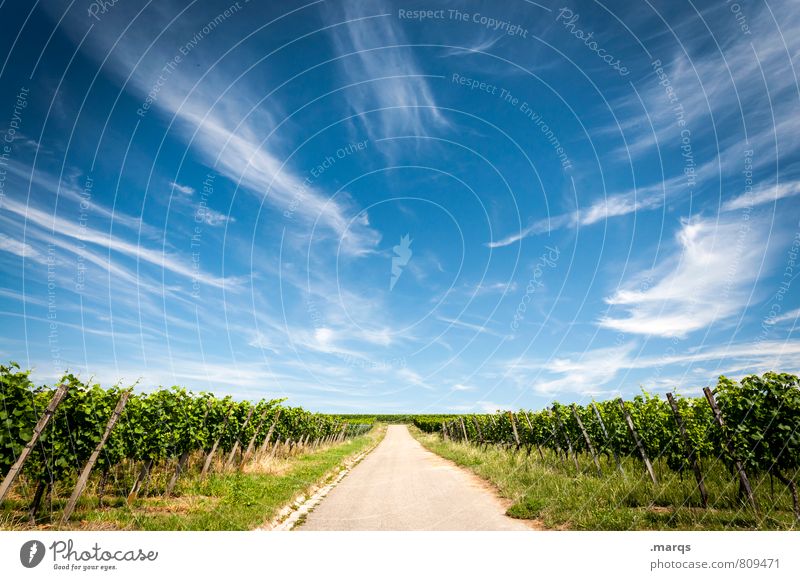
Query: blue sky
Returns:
{"type": "Point", "coordinates": [375, 206]}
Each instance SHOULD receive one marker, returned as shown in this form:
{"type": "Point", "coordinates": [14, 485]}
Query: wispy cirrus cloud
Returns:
{"type": "Point", "coordinates": [386, 70]}
{"type": "Point", "coordinates": [21, 249]}
{"type": "Point", "coordinates": [762, 195]}
{"type": "Point", "coordinates": [180, 188]}
{"type": "Point", "coordinates": [599, 371]}
{"type": "Point", "coordinates": [54, 227]}
{"type": "Point", "coordinates": [724, 87]}
{"type": "Point", "coordinates": [726, 90]}
{"type": "Point", "coordinates": [790, 316]}
{"type": "Point", "coordinates": [42, 182]}
{"type": "Point", "coordinates": [217, 110]}
{"type": "Point", "coordinates": [615, 205]}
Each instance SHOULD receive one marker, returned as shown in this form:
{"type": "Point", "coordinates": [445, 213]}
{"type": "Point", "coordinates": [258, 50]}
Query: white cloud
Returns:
{"type": "Point", "coordinates": [262, 342]}
{"type": "Point", "coordinates": [707, 282]}
{"type": "Point", "coordinates": [597, 372]}
{"type": "Point", "coordinates": [63, 227]}
{"type": "Point", "coordinates": [790, 316]}
{"type": "Point", "coordinates": [22, 249]}
{"type": "Point", "coordinates": [478, 328]}
{"type": "Point", "coordinates": [458, 387]}
{"type": "Point", "coordinates": [763, 195]}
{"type": "Point", "coordinates": [642, 198]}
{"type": "Point", "coordinates": [185, 189]}
{"type": "Point", "coordinates": [393, 80]}
{"type": "Point", "coordinates": [213, 217]}
{"type": "Point", "coordinates": [65, 188]}
{"type": "Point", "coordinates": [538, 227]}
{"type": "Point", "coordinates": [494, 288]}
{"type": "Point", "coordinates": [586, 373]}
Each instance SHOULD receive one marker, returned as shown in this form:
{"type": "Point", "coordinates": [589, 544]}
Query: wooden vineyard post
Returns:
{"type": "Point", "coordinates": [236, 443]}
{"type": "Point", "coordinates": [15, 470]}
{"type": "Point", "coordinates": [210, 456]}
{"type": "Point", "coordinates": [252, 443]}
{"type": "Point", "coordinates": [588, 441]}
{"type": "Point", "coordinates": [137, 485]}
{"type": "Point", "coordinates": [274, 446]}
{"type": "Point", "coordinates": [269, 434]}
{"type": "Point", "coordinates": [87, 470]}
{"type": "Point", "coordinates": [568, 440]}
{"type": "Point", "coordinates": [690, 455]}
{"type": "Point", "coordinates": [182, 460]}
{"type": "Point", "coordinates": [37, 499]}
{"type": "Point", "coordinates": [530, 427]}
{"type": "Point", "coordinates": [605, 434]}
{"type": "Point", "coordinates": [464, 429]}
{"type": "Point", "coordinates": [514, 428]}
{"type": "Point", "coordinates": [444, 431]}
{"type": "Point", "coordinates": [637, 441]}
{"type": "Point", "coordinates": [477, 429]}
{"type": "Point", "coordinates": [731, 450]}
{"type": "Point", "coordinates": [554, 436]}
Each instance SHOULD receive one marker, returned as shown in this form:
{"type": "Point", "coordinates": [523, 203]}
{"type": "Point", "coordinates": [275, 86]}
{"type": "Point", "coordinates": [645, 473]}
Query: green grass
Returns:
{"type": "Point", "coordinates": [558, 496]}
{"type": "Point", "coordinates": [224, 501]}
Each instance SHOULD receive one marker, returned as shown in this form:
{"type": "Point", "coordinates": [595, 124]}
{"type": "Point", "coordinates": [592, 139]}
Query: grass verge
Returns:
{"type": "Point", "coordinates": [556, 495]}
{"type": "Point", "coordinates": [241, 500]}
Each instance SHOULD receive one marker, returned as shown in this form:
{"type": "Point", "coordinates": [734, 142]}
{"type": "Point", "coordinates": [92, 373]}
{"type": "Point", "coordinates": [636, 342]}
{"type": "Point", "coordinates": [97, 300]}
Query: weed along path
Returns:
{"type": "Point", "coordinates": [402, 486]}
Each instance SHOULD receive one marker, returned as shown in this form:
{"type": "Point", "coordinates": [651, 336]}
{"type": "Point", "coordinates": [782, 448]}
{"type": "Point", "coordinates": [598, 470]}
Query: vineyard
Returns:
{"type": "Point", "coordinates": [61, 438]}
{"type": "Point", "coordinates": [77, 444]}
{"type": "Point", "coordinates": [752, 427]}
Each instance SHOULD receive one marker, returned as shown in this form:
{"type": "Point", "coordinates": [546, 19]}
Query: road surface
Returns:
{"type": "Point", "coordinates": [402, 486]}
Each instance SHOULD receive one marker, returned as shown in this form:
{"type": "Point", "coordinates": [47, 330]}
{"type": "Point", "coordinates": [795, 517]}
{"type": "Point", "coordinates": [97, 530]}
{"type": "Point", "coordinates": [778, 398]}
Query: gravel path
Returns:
{"type": "Point", "coordinates": [402, 486]}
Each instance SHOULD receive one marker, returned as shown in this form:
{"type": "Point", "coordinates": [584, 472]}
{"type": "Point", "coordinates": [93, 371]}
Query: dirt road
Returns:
{"type": "Point", "coordinates": [402, 486]}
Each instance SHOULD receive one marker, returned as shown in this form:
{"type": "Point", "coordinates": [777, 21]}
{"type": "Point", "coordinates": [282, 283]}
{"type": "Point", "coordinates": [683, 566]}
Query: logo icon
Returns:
{"type": "Point", "coordinates": [31, 553]}
{"type": "Point", "coordinates": [403, 255]}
